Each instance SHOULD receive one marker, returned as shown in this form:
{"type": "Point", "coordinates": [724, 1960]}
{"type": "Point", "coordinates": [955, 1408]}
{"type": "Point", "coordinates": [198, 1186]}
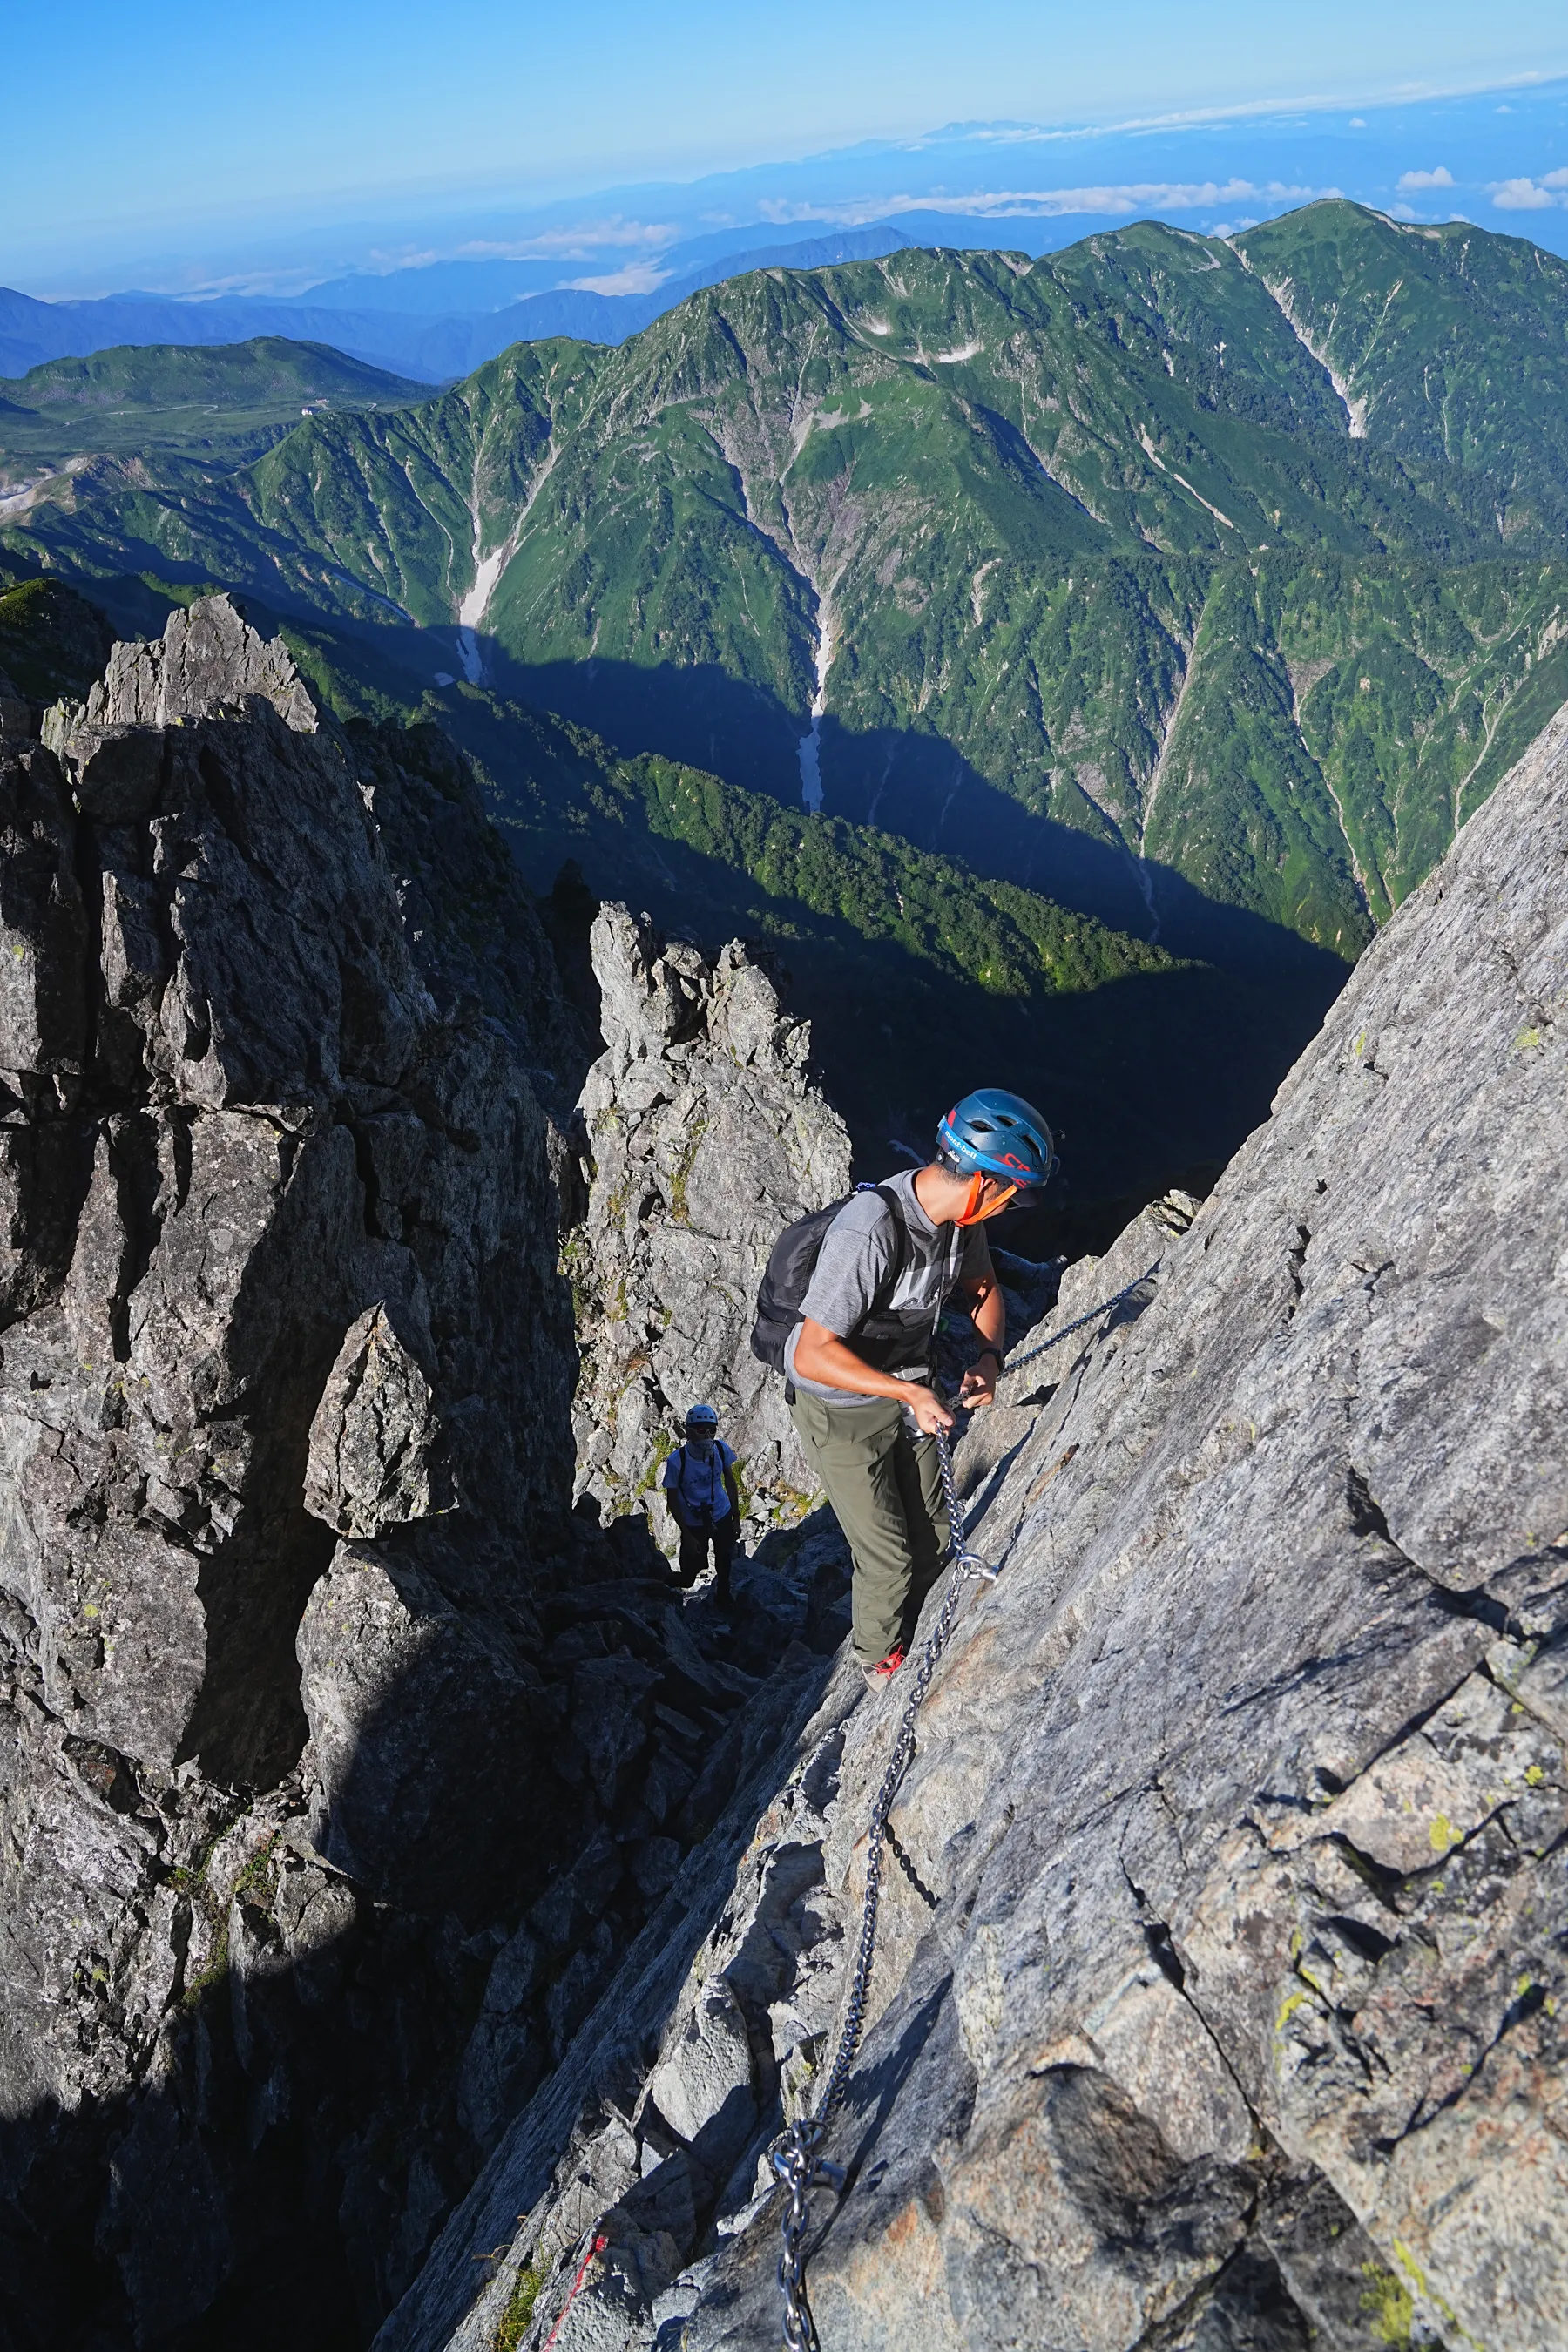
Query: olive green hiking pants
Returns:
{"type": "Point", "coordinates": [886, 1492]}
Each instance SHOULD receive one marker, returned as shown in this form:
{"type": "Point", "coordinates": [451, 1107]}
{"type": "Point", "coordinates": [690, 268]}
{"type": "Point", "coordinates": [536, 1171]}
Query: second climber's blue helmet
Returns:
{"type": "Point", "coordinates": [702, 1418]}
{"type": "Point", "coordinates": [994, 1133]}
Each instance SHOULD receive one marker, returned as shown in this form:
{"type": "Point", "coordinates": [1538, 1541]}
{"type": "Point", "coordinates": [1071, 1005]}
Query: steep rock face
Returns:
{"type": "Point", "coordinates": [1241, 1802]}
{"type": "Point", "coordinates": [1219, 1991]}
{"type": "Point", "coordinates": [707, 1137]}
{"type": "Point", "coordinates": [212, 662]}
{"type": "Point", "coordinates": [281, 1312]}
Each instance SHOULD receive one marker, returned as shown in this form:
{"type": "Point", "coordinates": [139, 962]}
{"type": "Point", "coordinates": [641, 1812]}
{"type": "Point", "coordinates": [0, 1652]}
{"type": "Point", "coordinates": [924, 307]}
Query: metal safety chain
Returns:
{"type": "Point", "coordinates": [795, 2154]}
{"type": "Point", "coordinates": [1016, 1363]}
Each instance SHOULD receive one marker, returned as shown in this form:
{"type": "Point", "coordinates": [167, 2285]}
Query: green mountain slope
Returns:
{"type": "Point", "coordinates": [915, 972]}
{"type": "Point", "coordinates": [1448, 346]}
{"type": "Point", "coordinates": [1340, 719]}
{"type": "Point", "coordinates": [232, 400]}
{"type": "Point", "coordinates": [919, 977]}
{"type": "Point", "coordinates": [1077, 565]}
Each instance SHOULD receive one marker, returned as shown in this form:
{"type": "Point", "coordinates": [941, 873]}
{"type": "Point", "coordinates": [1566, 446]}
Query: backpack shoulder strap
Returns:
{"type": "Point", "coordinates": [900, 1234]}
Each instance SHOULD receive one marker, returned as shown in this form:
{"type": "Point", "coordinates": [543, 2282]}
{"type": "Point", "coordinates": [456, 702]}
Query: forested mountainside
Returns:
{"type": "Point", "coordinates": [907, 962]}
{"type": "Point", "coordinates": [1159, 575]}
{"type": "Point", "coordinates": [937, 964]}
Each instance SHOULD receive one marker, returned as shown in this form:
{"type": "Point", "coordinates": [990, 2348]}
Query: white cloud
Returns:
{"type": "Point", "coordinates": [1441, 178]}
{"type": "Point", "coordinates": [633, 277]}
{"type": "Point", "coordinates": [1126, 197]}
{"type": "Point", "coordinates": [1522, 197]}
{"type": "Point", "coordinates": [586, 237]}
{"type": "Point", "coordinates": [1555, 179]}
{"type": "Point", "coordinates": [1358, 122]}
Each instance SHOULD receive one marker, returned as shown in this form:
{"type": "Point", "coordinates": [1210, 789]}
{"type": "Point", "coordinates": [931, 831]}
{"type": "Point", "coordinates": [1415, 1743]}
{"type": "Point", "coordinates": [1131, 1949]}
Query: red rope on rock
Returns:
{"type": "Point", "coordinates": [600, 2242]}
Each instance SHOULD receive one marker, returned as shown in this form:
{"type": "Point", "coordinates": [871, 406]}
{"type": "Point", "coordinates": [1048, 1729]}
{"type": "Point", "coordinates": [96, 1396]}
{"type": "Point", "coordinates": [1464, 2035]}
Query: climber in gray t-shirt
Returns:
{"type": "Point", "coordinates": [859, 1358]}
{"type": "Point", "coordinates": [860, 1251]}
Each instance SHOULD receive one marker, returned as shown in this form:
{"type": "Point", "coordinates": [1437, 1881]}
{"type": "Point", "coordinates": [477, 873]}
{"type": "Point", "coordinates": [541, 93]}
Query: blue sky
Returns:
{"type": "Point", "coordinates": [187, 146]}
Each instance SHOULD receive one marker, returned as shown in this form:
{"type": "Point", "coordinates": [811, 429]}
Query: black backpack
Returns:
{"type": "Point", "coordinates": [788, 1279]}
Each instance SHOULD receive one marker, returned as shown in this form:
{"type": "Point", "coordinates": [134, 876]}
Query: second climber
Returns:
{"type": "Point", "coordinates": [700, 1487]}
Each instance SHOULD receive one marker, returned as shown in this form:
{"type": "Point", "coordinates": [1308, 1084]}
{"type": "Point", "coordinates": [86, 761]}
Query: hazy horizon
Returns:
{"type": "Point", "coordinates": [600, 150]}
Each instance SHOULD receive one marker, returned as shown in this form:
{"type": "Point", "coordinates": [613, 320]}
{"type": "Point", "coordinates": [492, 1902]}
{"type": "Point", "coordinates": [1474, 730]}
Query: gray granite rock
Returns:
{"type": "Point", "coordinates": [43, 923]}
{"type": "Point", "coordinates": [567, 2158]}
{"type": "Point", "coordinates": [707, 1137]}
{"type": "Point", "coordinates": [279, 1239]}
{"type": "Point", "coordinates": [209, 661]}
{"type": "Point", "coordinates": [1220, 1976]}
{"type": "Point", "coordinates": [504, 2060]}
{"type": "Point", "coordinates": [341, 1761]}
{"type": "Point", "coordinates": [375, 1458]}
{"type": "Point", "coordinates": [1242, 1859]}
{"type": "Point", "coordinates": [702, 2082]}
{"type": "Point", "coordinates": [422, 1718]}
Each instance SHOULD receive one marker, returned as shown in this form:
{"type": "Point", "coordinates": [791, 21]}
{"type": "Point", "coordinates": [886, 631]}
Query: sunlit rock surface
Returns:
{"type": "Point", "coordinates": [707, 1137]}
{"type": "Point", "coordinates": [1221, 1986]}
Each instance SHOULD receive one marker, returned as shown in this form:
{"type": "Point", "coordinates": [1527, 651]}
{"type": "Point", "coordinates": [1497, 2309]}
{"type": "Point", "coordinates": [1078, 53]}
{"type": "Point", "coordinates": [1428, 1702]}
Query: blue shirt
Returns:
{"type": "Point", "coordinates": [699, 1480]}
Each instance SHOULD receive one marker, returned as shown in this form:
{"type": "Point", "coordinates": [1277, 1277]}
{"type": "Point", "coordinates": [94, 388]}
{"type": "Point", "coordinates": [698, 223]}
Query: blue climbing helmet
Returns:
{"type": "Point", "coordinates": [994, 1133]}
{"type": "Point", "coordinates": [701, 1421]}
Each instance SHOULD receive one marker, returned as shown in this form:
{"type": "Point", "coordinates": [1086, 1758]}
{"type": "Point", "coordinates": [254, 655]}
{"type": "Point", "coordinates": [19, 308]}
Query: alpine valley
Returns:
{"type": "Point", "coordinates": [475, 869]}
{"type": "Point", "coordinates": [1197, 588]}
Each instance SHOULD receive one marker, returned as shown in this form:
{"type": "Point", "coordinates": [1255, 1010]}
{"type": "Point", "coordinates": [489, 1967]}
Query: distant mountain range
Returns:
{"type": "Point", "coordinates": [1199, 583]}
{"type": "Point", "coordinates": [1199, 587]}
{"type": "Point", "coordinates": [446, 320]}
{"type": "Point", "coordinates": [232, 399]}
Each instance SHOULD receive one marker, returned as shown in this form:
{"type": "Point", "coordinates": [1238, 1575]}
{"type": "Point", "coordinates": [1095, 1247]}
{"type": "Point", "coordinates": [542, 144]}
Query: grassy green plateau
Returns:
{"type": "Point", "coordinates": [1162, 603]}
{"type": "Point", "coordinates": [224, 403]}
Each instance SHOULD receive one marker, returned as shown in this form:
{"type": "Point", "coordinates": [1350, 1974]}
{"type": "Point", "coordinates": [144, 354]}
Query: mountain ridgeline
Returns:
{"type": "Point", "coordinates": [1204, 585]}
{"type": "Point", "coordinates": [421, 1917]}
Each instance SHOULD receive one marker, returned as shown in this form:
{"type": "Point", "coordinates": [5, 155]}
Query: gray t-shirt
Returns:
{"type": "Point", "coordinates": [859, 1250]}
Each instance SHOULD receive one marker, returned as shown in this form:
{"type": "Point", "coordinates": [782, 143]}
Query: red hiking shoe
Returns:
{"type": "Point", "coordinates": [879, 1676]}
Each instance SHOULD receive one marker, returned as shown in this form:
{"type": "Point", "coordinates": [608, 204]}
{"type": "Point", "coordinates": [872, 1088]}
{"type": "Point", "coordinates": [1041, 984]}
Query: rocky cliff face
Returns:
{"type": "Point", "coordinates": [379, 1840]}
{"type": "Point", "coordinates": [1221, 1988]}
{"type": "Point", "coordinates": [280, 1290]}
{"type": "Point", "coordinates": [707, 1137]}
{"type": "Point", "coordinates": [340, 1761]}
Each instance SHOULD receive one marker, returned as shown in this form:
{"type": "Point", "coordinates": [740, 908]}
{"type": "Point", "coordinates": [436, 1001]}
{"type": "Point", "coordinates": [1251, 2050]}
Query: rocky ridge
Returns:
{"type": "Point", "coordinates": [1220, 1989]}
{"type": "Point", "coordinates": [706, 1137]}
{"type": "Point", "coordinates": [340, 1760]}
{"type": "Point", "coordinates": [372, 1823]}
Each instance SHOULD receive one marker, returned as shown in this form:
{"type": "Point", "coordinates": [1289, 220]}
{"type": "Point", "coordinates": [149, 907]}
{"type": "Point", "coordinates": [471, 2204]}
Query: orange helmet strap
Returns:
{"type": "Point", "coordinates": [971, 1213]}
